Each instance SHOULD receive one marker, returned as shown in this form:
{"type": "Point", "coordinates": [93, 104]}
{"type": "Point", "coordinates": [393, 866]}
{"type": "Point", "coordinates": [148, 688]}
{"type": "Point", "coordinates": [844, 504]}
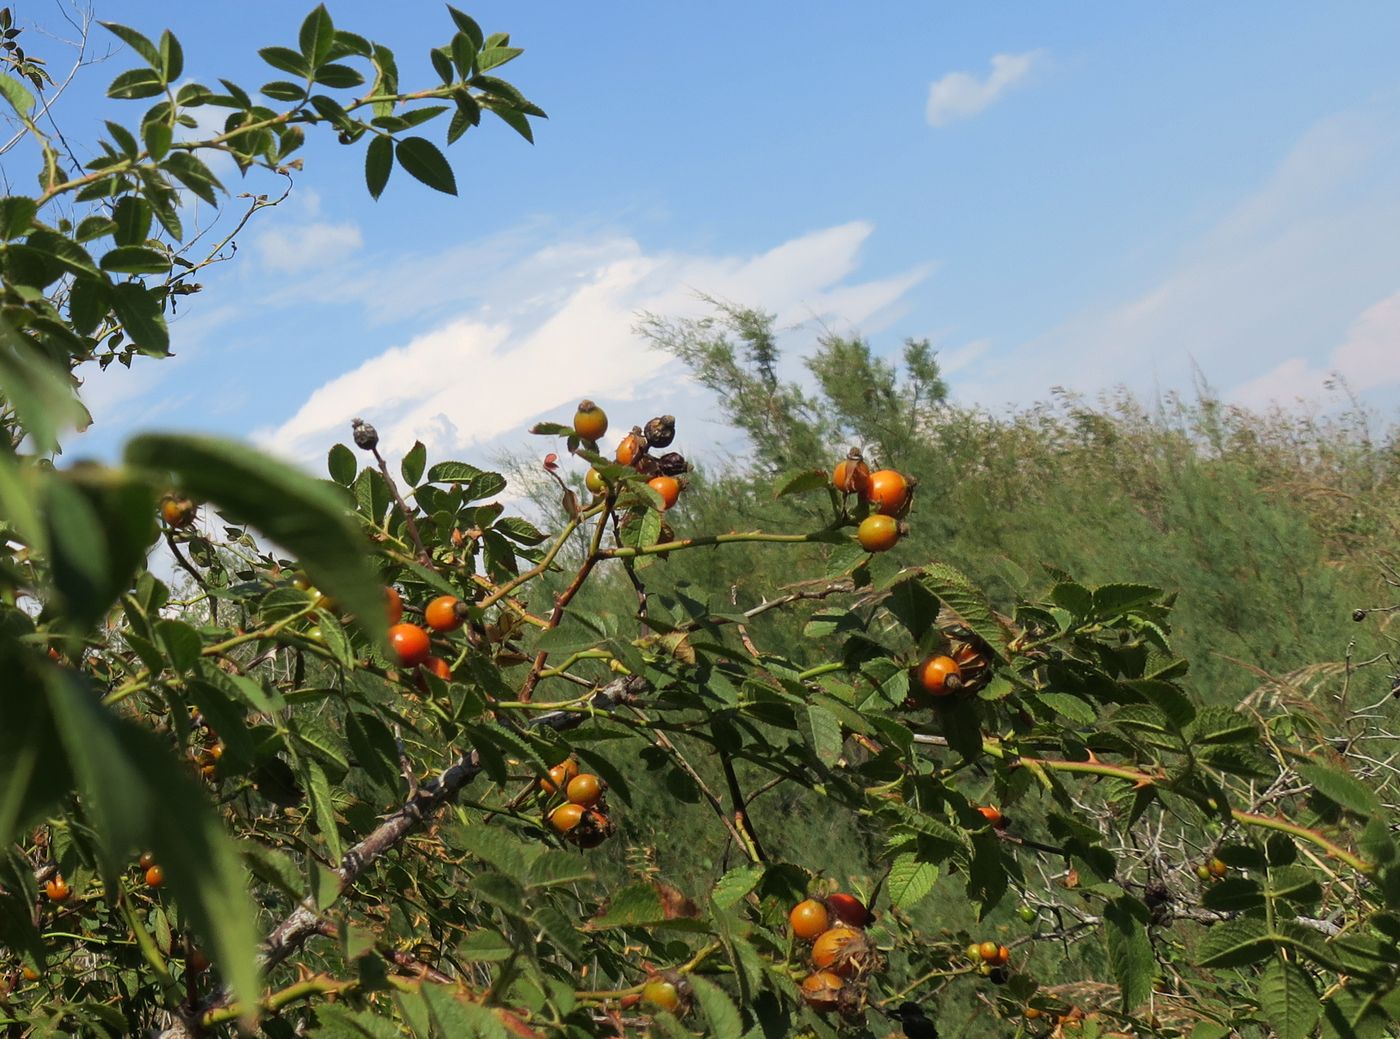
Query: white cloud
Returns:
{"type": "Point", "coordinates": [959, 95]}
{"type": "Point", "coordinates": [298, 248]}
{"type": "Point", "coordinates": [560, 326]}
{"type": "Point", "coordinates": [1259, 302]}
{"type": "Point", "coordinates": [1368, 358]}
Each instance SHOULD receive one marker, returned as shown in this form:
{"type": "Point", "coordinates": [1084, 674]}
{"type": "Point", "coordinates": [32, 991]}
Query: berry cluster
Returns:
{"type": "Point", "coordinates": [887, 493]}
{"type": "Point", "coordinates": [665, 473]}
{"type": "Point", "coordinates": [842, 956]}
{"type": "Point", "coordinates": [411, 643]}
{"type": "Point", "coordinates": [991, 960]}
{"type": "Point", "coordinates": [582, 819]}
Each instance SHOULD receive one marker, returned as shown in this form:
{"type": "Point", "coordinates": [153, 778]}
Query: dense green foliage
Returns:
{"type": "Point", "coordinates": [988, 733]}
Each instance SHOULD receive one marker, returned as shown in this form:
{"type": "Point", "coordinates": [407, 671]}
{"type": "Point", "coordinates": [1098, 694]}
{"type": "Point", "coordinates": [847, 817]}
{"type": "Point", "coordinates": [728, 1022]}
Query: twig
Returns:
{"type": "Point", "coordinates": [305, 921]}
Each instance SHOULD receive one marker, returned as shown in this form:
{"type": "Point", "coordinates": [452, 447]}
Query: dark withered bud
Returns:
{"type": "Point", "coordinates": [1358, 615]}
{"type": "Point", "coordinates": [673, 464]}
{"type": "Point", "coordinates": [366, 436]}
{"type": "Point", "coordinates": [648, 466]}
{"type": "Point", "coordinates": [661, 430]}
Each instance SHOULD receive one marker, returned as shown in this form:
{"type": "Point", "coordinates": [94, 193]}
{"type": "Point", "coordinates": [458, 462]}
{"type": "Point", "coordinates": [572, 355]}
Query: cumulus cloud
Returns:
{"type": "Point", "coordinates": [560, 324]}
{"type": "Point", "coordinates": [959, 95]}
{"type": "Point", "coordinates": [1368, 358]}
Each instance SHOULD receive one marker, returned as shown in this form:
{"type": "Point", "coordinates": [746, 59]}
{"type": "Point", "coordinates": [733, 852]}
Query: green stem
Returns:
{"type": "Point", "coordinates": [715, 539]}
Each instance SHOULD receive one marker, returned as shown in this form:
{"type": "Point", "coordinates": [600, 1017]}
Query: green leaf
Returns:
{"type": "Point", "coordinates": [133, 39]}
{"type": "Point", "coordinates": [136, 83]}
{"type": "Point", "coordinates": [196, 176]}
{"type": "Point", "coordinates": [1235, 943]}
{"type": "Point", "coordinates": [139, 310]}
{"type": "Point", "coordinates": [182, 643]}
{"type": "Point", "coordinates": [136, 796]}
{"type": "Point", "coordinates": [823, 733]}
{"type": "Point", "coordinates": [100, 525]}
{"type": "Point", "coordinates": [1129, 950]}
{"type": "Point", "coordinates": [341, 464]}
{"type": "Point", "coordinates": [494, 57]}
{"type": "Point", "coordinates": [1073, 597]}
{"type": "Point", "coordinates": [132, 215]}
{"type": "Point", "coordinates": [1288, 1000]}
{"type": "Point", "coordinates": [412, 465]}
{"type": "Point", "coordinates": [423, 161]}
{"type": "Point", "coordinates": [802, 482]}
{"type": "Point", "coordinates": [286, 60]}
{"type": "Point", "coordinates": [967, 603]}
{"type": "Point", "coordinates": [172, 57]}
{"type": "Point", "coordinates": [630, 906]}
{"type": "Point", "coordinates": [317, 36]}
{"type": "Point", "coordinates": [135, 259]}
{"type": "Point", "coordinates": [40, 391]}
{"type": "Point", "coordinates": [338, 77]}
{"type": "Point", "coordinates": [731, 888]}
{"type": "Point", "coordinates": [465, 23]}
{"type": "Point", "coordinates": [318, 788]}
{"type": "Point", "coordinates": [910, 880]}
{"type": "Point", "coordinates": [520, 530]}
{"type": "Point", "coordinates": [719, 1009]}
{"type": "Point", "coordinates": [16, 215]}
{"type": "Point", "coordinates": [1341, 787]}
{"type": "Point", "coordinates": [303, 515]}
{"type": "Point", "coordinates": [453, 472]}
{"type": "Point", "coordinates": [517, 122]}
{"type": "Point", "coordinates": [19, 97]}
{"type": "Point", "coordinates": [282, 90]}
{"type": "Point", "coordinates": [1072, 707]}
{"type": "Point", "coordinates": [379, 163]}
{"type": "Point", "coordinates": [1221, 725]}
{"type": "Point", "coordinates": [456, 1016]}
{"type": "Point", "coordinates": [157, 137]}
{"type": "Point", "coordinates": [338, 1022]}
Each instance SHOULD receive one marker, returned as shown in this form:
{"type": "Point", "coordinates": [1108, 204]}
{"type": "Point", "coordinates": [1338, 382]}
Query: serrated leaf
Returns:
{"type": "Point", "coordinates": [423, 161]}
{"type": "Point", "coordinates": [15, 92]}
{"type": "Point", "coordinates": [631, 906]}
{"type": "Point", "coordinates": [453, 472]}
{"type": "Point", "coordinates": [967, 604]}
{"type": "Point", "coordinates": [1235, 943]}
{"type": "Point", "coordinates": [137, 42]}
{"type": "Point", "coordinates": [284, 59]}
{"type": "Point", "coordinates": [317, 36]}
{"type": "Point", "coordinates": [801, 482]}
{"type": "Point", "coordinates": [719, 1009]}
{"type": "Point", "coordinates": [16, 215]}
{"type": "Point", "coordinates": [182, 643]}
{"type": "Point", "coordinates": [1112, 599]}
{"type": "Point", "coordinates": [341, 464]}
{"type": "Point", "coordinates": [1340, 787]}
{"type": "Point", "coordinates": [411, 467]}
{"type": "Point", "coordinates": [1129, 950]}
{"type": "Point", "coordinates": [1288, 999]}
{"type": "Point", "coordinates": [1072, 707]}
{"type": "Point", "coordinates": [824, 734]}
{"type": "Point", "coordinates": [910, 880]}
{"type": "Point", "coordinates": [379, 163]}
{"type": "Point", "coordinates": [135, 259]}
{"type": "Point", "coordinates": [135, 84]}
{"type": "Point", "coordinates": [731, 888]}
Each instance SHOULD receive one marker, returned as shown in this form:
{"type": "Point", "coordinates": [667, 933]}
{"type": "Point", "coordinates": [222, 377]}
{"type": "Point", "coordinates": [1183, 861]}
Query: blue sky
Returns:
{"type": "Point", "coordinates": [1087, 196]}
